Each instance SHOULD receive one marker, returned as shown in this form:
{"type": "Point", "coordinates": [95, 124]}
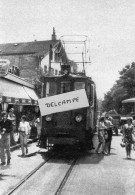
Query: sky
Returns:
{"type": "Point", "coordinates": [109, 24]}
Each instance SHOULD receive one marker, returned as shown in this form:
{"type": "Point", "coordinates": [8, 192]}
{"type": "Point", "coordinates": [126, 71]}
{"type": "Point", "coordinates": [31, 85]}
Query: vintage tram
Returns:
{"type": "Point", "coordinates": [72, 127]}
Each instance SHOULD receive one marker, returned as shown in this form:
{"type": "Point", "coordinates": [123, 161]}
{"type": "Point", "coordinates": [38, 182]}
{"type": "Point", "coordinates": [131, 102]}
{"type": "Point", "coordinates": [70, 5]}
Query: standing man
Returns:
{"type": "Point", "coordinates": [11, 116]}
{"type": "Point", "coordinates": [108, 141]}
{"type": "Point", "coordinates": [5, 129]}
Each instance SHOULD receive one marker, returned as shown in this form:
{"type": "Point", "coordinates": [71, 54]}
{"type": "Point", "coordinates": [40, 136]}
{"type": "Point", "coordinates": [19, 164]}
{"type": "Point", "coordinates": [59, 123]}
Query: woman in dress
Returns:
{"type": "Point", "coordinates": [128, 130]}
{"type": "Point", "coordinates": [101, 137]}
{"type": "Point", "coordinates": [24, 129]}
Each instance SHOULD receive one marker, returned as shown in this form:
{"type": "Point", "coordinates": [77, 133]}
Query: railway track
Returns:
{"type": "Point", "coordinates": [61, 184]}
{"type": "Point", "coordinates": [28, 176]}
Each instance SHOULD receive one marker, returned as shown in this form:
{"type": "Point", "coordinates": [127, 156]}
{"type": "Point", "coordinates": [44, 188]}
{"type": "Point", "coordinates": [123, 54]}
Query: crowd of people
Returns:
{"type": "Point", "coordinates": [8, 128]}
{"type": "Point", "coordinates": [105, 126]}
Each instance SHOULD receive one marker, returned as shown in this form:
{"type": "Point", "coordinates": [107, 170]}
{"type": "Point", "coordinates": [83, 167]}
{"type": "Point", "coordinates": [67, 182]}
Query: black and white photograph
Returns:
{"type": "Point", "coordinates": [67, 97]}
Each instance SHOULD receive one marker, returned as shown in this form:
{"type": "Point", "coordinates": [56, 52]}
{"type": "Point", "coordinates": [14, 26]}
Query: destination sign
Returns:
{"type": "Point", "coordinates": [63, 102]}
{"type": "Point", "coordinates": [4, 66]}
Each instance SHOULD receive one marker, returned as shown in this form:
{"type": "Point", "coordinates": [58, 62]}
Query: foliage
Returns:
{"type": "Point", "coordinates": [123, 88]}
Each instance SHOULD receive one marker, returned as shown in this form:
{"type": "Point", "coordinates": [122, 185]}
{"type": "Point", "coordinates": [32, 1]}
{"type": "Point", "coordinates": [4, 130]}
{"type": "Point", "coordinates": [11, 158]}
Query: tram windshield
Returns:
{"type": "Point", "coordinates": [51, 89]}
{"type": "Point", "coordinates": [65, 86]}
{"type": "Point", "coordinates": [79, 85]}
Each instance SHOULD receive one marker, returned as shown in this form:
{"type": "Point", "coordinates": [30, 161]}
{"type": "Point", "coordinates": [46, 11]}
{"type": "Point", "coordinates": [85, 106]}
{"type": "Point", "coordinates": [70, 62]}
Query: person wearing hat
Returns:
{"type": "Point", "coordinates": [11, 116]}
{"type": "Point", "coordinates": [5, 129]}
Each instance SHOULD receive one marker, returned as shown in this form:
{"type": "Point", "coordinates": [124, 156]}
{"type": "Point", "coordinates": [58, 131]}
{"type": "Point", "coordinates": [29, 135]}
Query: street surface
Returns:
{"type": "Point", "coordinates": [46, 180]}
{"type": "Point", "coordinates": [103, 175]}
{"type": "Point", "coordinates": [94, 174]}
{"type": "Point", "coordinates": [12, 174]}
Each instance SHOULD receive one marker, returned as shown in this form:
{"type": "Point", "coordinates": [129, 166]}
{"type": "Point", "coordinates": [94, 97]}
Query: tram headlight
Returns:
{"type": "Point", "coordinates": [48, 118]}
{"type": "Point", "coordinates": [78, 118]}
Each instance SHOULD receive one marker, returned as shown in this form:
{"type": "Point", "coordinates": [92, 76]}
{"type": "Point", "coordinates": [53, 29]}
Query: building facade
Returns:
{"type": "Point", "coordinates": [31, 59]}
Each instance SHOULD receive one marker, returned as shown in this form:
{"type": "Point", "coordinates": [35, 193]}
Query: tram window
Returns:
{"type": "Point", "coordinates": [88, 90]}
{"type": "Point", "coordinates": [56, 72]}
{"type": "Point", "coordinates": [45, 68]}
{"type": "Point", "coordinates": [79, 85]}
{"type": "Point", "coordinates": [51, 88]}
{"type": "Point", "coordinates": [65, 86]}
{"type": "Point", "coordinates": [90, 94]}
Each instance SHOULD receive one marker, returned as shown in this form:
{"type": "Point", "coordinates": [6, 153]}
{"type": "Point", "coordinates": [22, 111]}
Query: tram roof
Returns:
{"type": "Point", "coordinates": [72, 76]}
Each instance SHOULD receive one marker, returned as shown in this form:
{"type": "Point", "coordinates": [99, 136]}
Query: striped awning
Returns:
{"type": "Point", "coordinates": [16, 93]}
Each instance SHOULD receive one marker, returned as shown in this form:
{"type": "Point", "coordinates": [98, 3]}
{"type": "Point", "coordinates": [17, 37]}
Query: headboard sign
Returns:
{"type": "Point", "coordinates": [63, 102]}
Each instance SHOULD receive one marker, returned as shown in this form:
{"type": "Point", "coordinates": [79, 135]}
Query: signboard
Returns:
{"type": "Point", "coordinates": [63, 102]}
{"type": "Point", "coordinates": [4, 65]}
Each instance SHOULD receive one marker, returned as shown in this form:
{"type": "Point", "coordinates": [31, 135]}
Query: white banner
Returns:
{"type": "Point", "coordinates": [63, 102]}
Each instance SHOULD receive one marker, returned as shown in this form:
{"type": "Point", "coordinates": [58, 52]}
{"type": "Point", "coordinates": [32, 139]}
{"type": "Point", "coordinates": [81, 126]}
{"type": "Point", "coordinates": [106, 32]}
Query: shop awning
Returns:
{"type": "Point", "coordinates": [31, 93]}
{"type": "Point", "coordinates": [12, 92]}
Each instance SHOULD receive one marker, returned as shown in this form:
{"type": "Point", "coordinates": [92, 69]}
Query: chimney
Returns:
{"type": "Point", "coordinates": [54, 35]}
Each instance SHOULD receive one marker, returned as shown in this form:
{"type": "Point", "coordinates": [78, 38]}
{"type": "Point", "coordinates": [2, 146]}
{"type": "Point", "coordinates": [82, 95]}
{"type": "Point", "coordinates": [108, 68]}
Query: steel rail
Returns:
{"type": "Point", "coordinates": [63, 182]}
{"type": "Point", "coordinates": [28, 176]}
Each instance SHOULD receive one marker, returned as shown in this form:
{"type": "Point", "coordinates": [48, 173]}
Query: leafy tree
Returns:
{"type": "Point", "coordinates": [127, 78]}
{"type": "Point", "coordinates": [107, 103]}
{"type": "Point", "coordinates": [123, 88]}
